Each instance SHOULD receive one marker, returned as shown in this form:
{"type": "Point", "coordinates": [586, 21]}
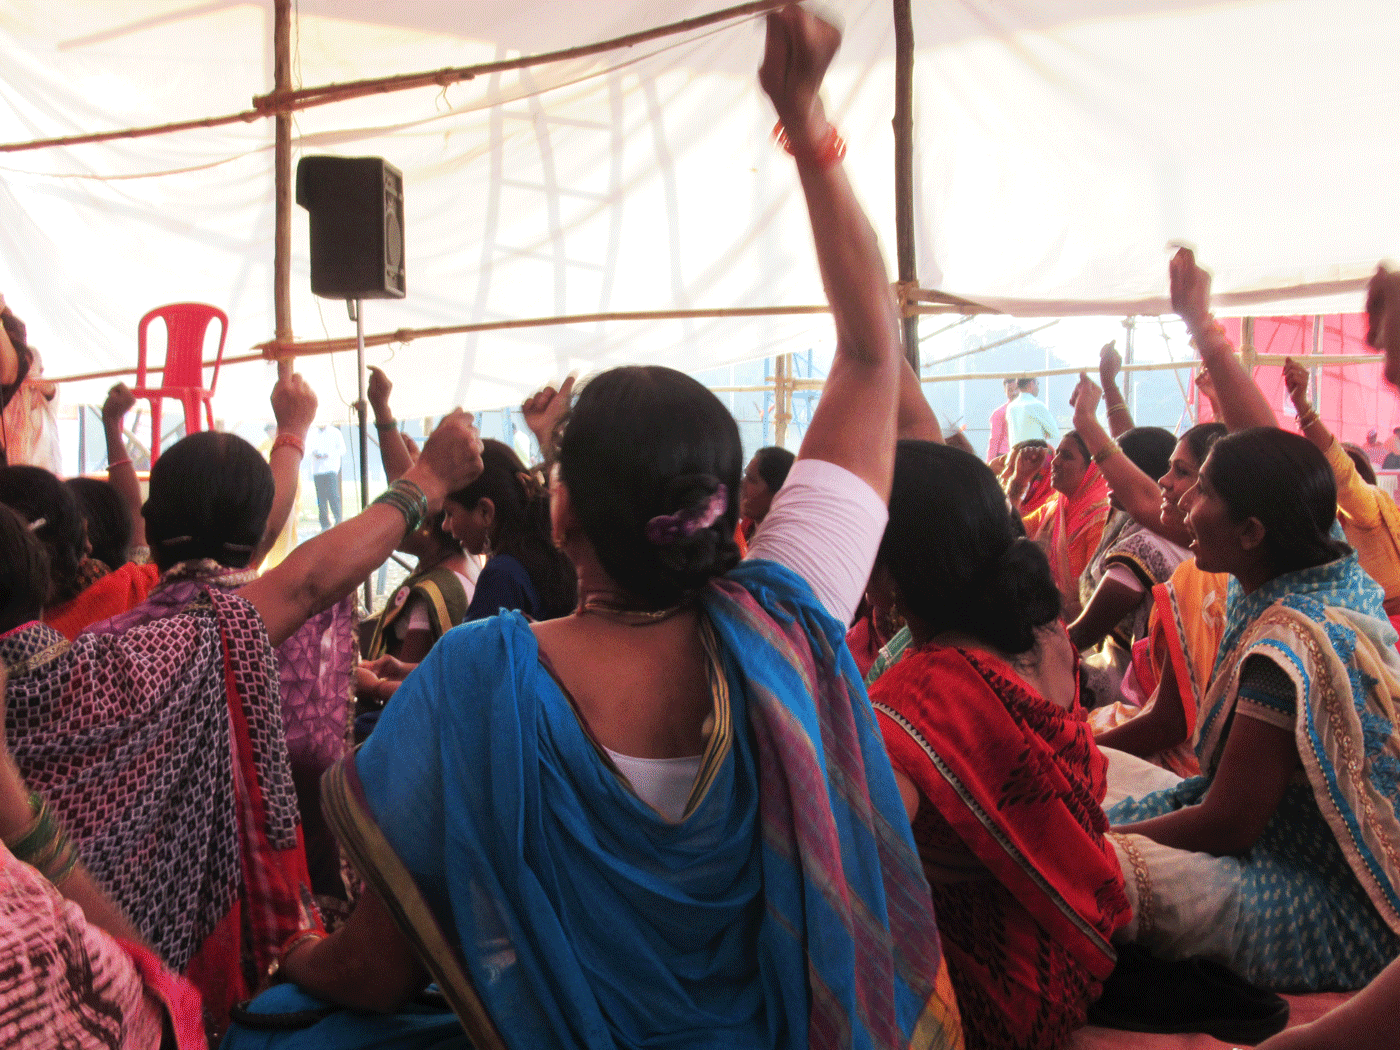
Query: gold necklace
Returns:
{"type": "Point", "coordinates": [597, 604]}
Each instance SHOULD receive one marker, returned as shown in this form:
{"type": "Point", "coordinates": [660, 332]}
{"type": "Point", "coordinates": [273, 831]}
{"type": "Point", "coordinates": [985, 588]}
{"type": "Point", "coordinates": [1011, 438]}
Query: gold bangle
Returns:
{"type": "Point", "coordinates": [274, 971]}
{"type": "Point", "coordinates": [1118, 406]}
{"type": "Point", "coordinates": [1108, 450]}
{"type": "Point", "coordinates": [1307, 419]}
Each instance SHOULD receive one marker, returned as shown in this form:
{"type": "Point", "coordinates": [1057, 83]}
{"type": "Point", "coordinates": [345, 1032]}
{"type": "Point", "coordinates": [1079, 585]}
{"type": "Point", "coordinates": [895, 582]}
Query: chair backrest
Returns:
{"type": "Point", "coordinates": [185, 326]}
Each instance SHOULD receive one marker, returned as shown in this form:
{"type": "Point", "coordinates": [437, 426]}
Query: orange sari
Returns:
{"type": "Point", "coordinates": [1185, 628]}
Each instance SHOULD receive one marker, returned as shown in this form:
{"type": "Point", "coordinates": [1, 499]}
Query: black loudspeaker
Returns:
{"type": "Point", "coordinates": [356, 206]}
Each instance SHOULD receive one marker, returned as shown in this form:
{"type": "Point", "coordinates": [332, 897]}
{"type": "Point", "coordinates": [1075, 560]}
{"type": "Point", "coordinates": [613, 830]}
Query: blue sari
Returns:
{"type": "Point", "coordinates": [553, 907]}
{"type": "Point", "coordinates": [1319, 893]}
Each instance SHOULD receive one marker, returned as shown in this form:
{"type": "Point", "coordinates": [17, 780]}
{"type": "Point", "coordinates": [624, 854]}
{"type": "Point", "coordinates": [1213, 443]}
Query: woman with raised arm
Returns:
{"type": "Point", "coordinates": [1283, 859]}
{"type": "Point", "coordinates": [435, 596]}
{"type": "Point", "coordinates": [207, 529]}
{"type": "Point", "coordinates": [191, 820]}
{"type": "Point", "coordinates": [1367, 513]}
{"type": "Point", "coordinates": [687, 832]}
{"type": "Point", "coordinates": [1115, 587]}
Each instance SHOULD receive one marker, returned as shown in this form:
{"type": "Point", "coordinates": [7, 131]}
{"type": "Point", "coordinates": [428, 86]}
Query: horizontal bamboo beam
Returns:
{"type": "Point", "coordinates": [278, 102]}
{"type": "Point", "coordinates": [117, 373]}
{"type": "Point", "coordinates": [275, 350]}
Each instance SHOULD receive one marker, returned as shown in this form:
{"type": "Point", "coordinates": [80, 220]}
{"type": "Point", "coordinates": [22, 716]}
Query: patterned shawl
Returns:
{"type": "Point", "coordinates": [313, 669]}
{"type": "Point", "coordinates": [1326, 628]}
{"type": "Point", "coordinates": [162, 750]}
{"type": "Point", "coordinates": [1021, 785]}
{"type": "Point", "coordinates": [1072, 532]}
{"type": "Point", "coordinates": [313, 665]}
{"type": "Point", "coordinates": [786, 909]}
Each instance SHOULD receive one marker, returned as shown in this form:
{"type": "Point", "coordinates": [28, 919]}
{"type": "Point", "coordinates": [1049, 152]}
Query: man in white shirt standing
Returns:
{"type": "Point", "coordinates": [327, 448]}
{"type": "Point", "coordinates": [1027, 417]}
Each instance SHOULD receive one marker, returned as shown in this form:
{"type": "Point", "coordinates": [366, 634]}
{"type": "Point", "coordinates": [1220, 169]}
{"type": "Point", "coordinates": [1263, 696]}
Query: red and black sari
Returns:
{"type": "Point", "coordinates": [1010, 829]}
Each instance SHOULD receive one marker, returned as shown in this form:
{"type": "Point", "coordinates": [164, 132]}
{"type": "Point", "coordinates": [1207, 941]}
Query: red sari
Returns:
{"type": "Point", "coordinates": [1010, 829]}
{"type": "Point", "coordinates": [116, 592]}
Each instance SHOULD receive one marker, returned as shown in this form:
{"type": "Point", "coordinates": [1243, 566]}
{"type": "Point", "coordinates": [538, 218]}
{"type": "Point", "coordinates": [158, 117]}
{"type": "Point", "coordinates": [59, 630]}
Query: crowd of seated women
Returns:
{"type": "Point", "coordinates": [623, 779]}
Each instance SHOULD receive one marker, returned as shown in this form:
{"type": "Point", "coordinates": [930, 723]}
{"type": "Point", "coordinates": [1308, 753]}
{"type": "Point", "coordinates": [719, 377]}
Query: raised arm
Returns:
{"type": "Point", "coordinates": [394, 452]}
{"type": "Point", "coordinates": [1024, 465]}
{"type": "Point", "coordinates": [916, 416]}
{"type": "Point", "coordinates": [855, 420]}
{"type": "Point", "coordinates": [1120, 420]}
{"type": "Point", "coordinates": [121, 472]}
{"type": "Point", "coordinates": [543, 412]}
{"type": "Point", "coordinates": [1207, 388]}
{"type": "Point", "coordinates": [294, 408]}
{"type": "Point", "coordinates": [323, 570]}
{"type": "Point", "coordinates": [1241, 403]}
{"type": "Point", "coordinates": [1135, 492]}
{"type": "Point", "coordinates": [1354, 495]}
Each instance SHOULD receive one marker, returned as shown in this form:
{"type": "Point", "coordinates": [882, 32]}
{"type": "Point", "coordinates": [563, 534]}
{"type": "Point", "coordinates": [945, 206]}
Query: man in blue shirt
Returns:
{"type": "Point", "coordinates": [1027, 417]}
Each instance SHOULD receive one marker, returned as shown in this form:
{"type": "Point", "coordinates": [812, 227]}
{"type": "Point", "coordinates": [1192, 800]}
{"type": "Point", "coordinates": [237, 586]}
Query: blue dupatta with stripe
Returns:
{"type": "Point", "coordinates": [787, 908]}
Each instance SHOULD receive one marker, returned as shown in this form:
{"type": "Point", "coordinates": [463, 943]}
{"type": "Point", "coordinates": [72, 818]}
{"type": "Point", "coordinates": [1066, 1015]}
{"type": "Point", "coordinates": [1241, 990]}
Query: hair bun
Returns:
{"type": "Point", "coordinates": [1014, 595]}
{"type": "Point", "coordinates": [693, 542]}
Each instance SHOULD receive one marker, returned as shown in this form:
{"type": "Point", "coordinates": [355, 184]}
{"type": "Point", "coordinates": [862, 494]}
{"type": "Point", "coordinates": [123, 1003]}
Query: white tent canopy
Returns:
{"type": "Point", "coordinates": [1061, 145]}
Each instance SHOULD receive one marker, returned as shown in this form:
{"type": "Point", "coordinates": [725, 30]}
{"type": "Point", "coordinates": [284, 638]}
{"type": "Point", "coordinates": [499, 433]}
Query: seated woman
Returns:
{"type": "Point", "coordinates": [40, 497]}
{"type": "Point", "coordinates": [998, 770]}
{"type": "Point", "coordinates": [689, 834]}
{"type": "Point", "coordinates": [504, 516]}
{"type": "Point", "coordinates": [763, 477]}
{"type": "Point", "coordinates": [206, 528]}
{"type": "Point", "coordinates": [1160, 695]}
{"type": "Point", "coordinates": [1281, 859]}
{"type": "Point", "coordinates": [1070, 524]}
{"type": "Point", "coordinates": [1115, 588]}
{"type": "Point", "coordinates": [107, 520]}
{"type": "Point", "coordinates": [190, 819]}
{"type": "Point", "coordinates": [77, 973]}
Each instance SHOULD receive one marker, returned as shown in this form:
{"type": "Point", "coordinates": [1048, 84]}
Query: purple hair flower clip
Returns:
{"type": "Point", "coordinates": [665, 529]}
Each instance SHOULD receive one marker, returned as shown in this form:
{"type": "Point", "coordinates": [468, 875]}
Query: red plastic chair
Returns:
{"type": "Point", "coordinates": [183, 378]}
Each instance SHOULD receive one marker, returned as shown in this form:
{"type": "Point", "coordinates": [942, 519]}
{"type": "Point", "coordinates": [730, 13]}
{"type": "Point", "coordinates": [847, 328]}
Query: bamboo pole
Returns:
{"type": "Point", "coordinates": [282, 155]}
{"type": "Point", "coordinates": [116, 373]}
{"type": "Point", "coordinates": [782, 398]}
{"type": "Point", "coordinates": [279, 101]}
{"type": "Point", "coordinates": [275, 350]}
{"type": "Point", "coordinates": [904, 169]}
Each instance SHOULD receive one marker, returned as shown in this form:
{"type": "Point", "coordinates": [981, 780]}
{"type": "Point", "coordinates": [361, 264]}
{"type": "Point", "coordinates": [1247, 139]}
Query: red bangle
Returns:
{"type": "Point", "coordinates": [831, 150]}
{"type": "Point", "coordinates": [114, 464]}
{"type": "Point", "coordinates": [289, 441]}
